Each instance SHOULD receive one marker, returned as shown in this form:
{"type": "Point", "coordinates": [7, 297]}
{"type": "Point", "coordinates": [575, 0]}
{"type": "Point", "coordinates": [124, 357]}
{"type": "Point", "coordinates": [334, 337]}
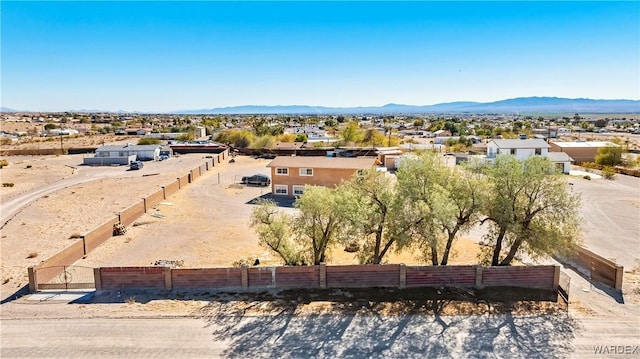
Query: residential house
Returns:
{"type": "Point", "coordinates": [289, 174]}
{"type": "Point", "coordinates": [525, 148]}
{"type": "Point", "coordinates": [123, 155]}
{"type": "Point", "coordinates": [522, 149]}
{"type": "Point", "coordinates": [580, 151]}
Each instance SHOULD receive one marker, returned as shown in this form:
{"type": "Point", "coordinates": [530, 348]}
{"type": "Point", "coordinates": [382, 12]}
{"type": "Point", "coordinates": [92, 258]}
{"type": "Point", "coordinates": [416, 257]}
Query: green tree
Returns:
{"type": "Point", "coordinates": [351, 133]}
{"type": "Point", "coordinates": [264, 142]}
{"type": "Point", "coordinates": [529, 209]}
{"type": "Point", "coordinates": [376, 214]}
{"type": "Point", "coordinates": [236, 138]}
{"type": "Point", "coordinates": [609, 155]}
{"type": "Point", "coordinates": [321, 221]}
{"type": "Point", "coordinates": [301, 137]}
{"type": "Point", "coordinates": [442, 202]}
{"type": "Point", "coordinates": [185, 137]}
{"type": "Point", "coordinates": [274, 232]}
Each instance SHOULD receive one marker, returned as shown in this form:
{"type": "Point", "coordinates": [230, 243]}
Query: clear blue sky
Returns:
{"type": "Point", "coordinates": [164, 56]}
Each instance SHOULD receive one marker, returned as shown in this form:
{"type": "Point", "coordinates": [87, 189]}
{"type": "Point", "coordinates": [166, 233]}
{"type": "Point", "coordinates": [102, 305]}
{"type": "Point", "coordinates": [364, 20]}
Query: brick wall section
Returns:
{"type": "Point", "coordinates": [362, 276]}
{"type": "Point", "coordinates": [424, 276]}
{"type": "Point", "coordinates": [153, 199]}
{"type": "Point", "coordinates": [348, 276]}
{"type": "Point", "coordinates": [261, 277]}
{"type": "Point", "coordinates": [132, 277]}
{"type": "Point", "coordinates": [297, 277]}
{"type": "Point", "coordinates": [171, 188]}
{"type": "Point", "coordinates": [99, 235]}
{"type": "Point", "coordinates": [541, 277]}
{"type": "Point", "coordinates": [206, 278]}
{"type": "Point", "coordinates": [130, 214]}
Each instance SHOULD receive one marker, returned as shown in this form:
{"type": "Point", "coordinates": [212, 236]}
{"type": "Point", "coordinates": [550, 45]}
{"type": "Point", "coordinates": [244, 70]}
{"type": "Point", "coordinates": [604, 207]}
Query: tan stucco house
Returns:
{"type": "Point", "coordinates": [580, 151]}
{"type": "Point", "coordinates": [289, 174]}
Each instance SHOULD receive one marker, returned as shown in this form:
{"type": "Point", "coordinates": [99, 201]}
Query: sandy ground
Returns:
{"type": "Point", "coordinates": [45, 226]}
{"type": "Point", "coordinates": [207, 224]}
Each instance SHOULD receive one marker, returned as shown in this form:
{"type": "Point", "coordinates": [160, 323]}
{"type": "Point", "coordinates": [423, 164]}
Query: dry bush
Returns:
{"type": "Point", "coordinates": [32, 255]}
{"type": "Point", "coordinates": [75, 235]}
{"type": "Point", "coordinates": [131, 300]}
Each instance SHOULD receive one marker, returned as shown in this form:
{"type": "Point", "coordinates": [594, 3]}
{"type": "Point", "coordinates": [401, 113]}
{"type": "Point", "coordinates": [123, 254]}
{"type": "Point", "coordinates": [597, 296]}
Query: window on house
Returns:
{"type": "Point", "coordinates": [282, 171]}
{"type": "Point", "coordinates": [513, 151]}
{"type": "Point", "coordinates": [281, 189]}
{"type": "Point", "coordinates": [306, 172]}
{"type": "Point", "coordinates": [298, 190]}
{"type": "Point", "coordinates": [538, 151]}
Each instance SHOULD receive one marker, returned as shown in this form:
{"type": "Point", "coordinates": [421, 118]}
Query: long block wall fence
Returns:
{"type": "Point", "coordinates": [52, 266]}
{"type": "Point", "coordinates": [323, 276]}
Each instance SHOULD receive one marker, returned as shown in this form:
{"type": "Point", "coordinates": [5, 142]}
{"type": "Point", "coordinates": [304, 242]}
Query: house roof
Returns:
{"type": "Point", "coordinates": [559, 157]}
{"type": "Point", "coordinates": [529, 143]}
{"type": "Point", "coordinates": [128, 147]}
{"type": "Point", "coordinates": [589, 144]}
{"type": "Point", "coordinates": [324, 162]}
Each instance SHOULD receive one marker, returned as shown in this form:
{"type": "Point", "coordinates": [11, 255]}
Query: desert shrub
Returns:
{"type": "Point", "coordinates": [608, 172]}
{"type": "Point", "coordinates": [75, 235]}
{"type": "Point", "coordinates": [3, 163]}
{"type": "Point", "coordinates": [148, 141]}
{"type": "Point", "coordinates": [587, 177]}
{"type": "Point", "coordinates": [5, 141]}
{"type": "Point", "coordinates": [609, 156]}
{"type": "Point", "coordinates": [32, 255]}
{"type": "Point", "coordinates": [7, 184]}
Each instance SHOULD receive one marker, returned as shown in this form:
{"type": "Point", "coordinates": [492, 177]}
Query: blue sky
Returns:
{"type": "Point", "coordinates": [165, 56]}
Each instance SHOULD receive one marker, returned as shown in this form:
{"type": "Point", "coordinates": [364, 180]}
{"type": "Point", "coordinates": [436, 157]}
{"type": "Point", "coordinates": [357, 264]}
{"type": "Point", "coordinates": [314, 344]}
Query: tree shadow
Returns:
{"type": "Point", "coordinates": [281, 201]}
{"type": "Point", "coordinates": [360, 327]}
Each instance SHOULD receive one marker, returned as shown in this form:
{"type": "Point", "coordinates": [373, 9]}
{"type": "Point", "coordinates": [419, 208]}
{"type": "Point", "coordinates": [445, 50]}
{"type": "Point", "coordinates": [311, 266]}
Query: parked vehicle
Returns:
{"type": "Point", "coordinates": [136, 165]}
{"type": "Point", "coordinates": [257, 179]}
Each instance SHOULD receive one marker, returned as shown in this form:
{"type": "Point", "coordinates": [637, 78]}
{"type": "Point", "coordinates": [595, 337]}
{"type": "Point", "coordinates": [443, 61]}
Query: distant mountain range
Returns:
{"type": "Point", "coordinates": [520, 105]}
{"type": "Point", "coordinates": [515, 105]}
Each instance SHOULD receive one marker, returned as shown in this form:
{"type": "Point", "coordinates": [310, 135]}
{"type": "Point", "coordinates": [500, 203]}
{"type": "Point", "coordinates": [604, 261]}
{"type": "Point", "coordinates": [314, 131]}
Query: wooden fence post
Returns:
{"type": "Point", "coordinates": [619, 273]}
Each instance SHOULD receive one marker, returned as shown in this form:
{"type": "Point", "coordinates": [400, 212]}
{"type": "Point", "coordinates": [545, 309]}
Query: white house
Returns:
{"type": "Point", "coordinates": [526, 148]}
{"type": "Point", "coordinates": [522, 149]}
{"type": "Point", "coordinates": [123, 155]}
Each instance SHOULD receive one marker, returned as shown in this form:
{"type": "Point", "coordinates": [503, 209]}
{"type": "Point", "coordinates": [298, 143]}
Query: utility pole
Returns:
{"type": "Point", "coordinates": [61, 147]}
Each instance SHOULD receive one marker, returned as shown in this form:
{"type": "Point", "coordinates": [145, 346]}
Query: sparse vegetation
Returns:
{"type": "Point", "coordinates": [75, 235]}
{"type": "Point", "coordinates": [608, 172]}
{"type": "Point", "coordinates": [3, 163]}
{"type": "Point", "coordinates": [7, 184]}
{"type": "Point", "coordinates": [131, 300]}
{"type": "Point", "coordinates": [149, 141]}
{"type": "Point", "coordinates": [32, 255]}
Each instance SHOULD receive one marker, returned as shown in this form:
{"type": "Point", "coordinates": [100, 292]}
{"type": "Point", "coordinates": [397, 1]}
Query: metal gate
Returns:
{"type": "Point", "coordinates": [65, 277]}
